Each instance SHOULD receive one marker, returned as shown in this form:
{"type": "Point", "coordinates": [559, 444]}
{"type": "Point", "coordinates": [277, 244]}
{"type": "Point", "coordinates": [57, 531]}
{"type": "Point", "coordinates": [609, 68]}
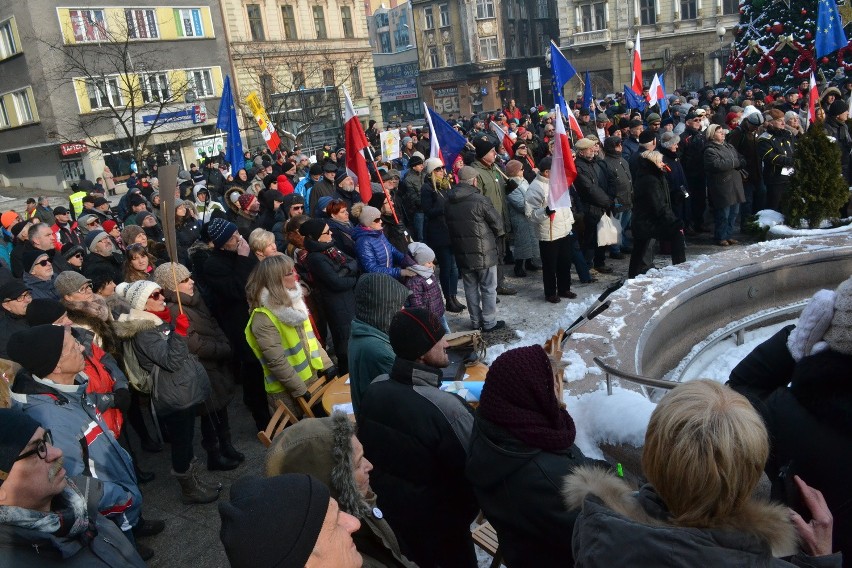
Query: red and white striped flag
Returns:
{"type": "Point", "coordinates": [505, 140]}
{"type": "Point", "coordinates": [572, 123]}
{"type": "Point", "coordinates": [563, 171]}
{"type": "Point", "coordinates": [356, 143]}
{"type": "Point", "coordinates": [813, 97]}
{"type": "Point", "coordinates": [637, 85]}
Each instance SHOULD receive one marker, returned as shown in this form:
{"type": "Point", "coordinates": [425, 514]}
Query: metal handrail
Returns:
{"type": "Point", "coordinates": [639, 379]}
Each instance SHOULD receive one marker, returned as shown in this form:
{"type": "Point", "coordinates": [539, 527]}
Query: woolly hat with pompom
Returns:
{"type": "Point", "coordinates": [137, 293]}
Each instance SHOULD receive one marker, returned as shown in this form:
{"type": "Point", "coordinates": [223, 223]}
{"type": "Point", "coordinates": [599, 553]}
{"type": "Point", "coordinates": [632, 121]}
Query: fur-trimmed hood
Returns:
{"type": "Point", "coordinates": [321, 447]}
{"type": "Point", "coordinates": [637, 528]}
{"type": "Point", "coordinates": [135, 322]}
{"type": "Point", "coordinates": [94, 315]}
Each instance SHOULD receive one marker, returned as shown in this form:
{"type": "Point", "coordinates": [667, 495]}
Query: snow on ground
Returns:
{"type": "Point", "coordinates": [785, 231]}
{"type": "Point", "coordinates": [769, 218]}
{"type": "Point", "coordinates": [618, 419]}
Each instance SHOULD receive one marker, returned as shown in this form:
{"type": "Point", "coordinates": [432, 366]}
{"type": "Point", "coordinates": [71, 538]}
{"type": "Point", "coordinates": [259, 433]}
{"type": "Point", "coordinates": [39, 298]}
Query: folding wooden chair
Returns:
{"type": "Point", "coordinates": [280, 420]}
{"type": "Point", "coordinates": [485, 537]}
{"type": "Point", "coordinates": [316, 390]}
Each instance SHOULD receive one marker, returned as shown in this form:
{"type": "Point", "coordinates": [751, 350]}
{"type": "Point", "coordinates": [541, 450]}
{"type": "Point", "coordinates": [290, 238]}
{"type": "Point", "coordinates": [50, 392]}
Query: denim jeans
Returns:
{"type": "Point", "coordinates": [577, 258]}
{"type": "Point", "coordinates": [419, 219]}
{"type": "Point", "coordinates": [448, 273]}
{"type": "Point", "coordinates": [624, 218]}
{"type": "Point", "coordinates": [723, 221]}
{"type": "Point", "coordinates": [480, 291]}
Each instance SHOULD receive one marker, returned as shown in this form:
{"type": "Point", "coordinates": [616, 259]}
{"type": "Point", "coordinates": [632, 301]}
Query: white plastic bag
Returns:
{"type": "Point", "coordinates": [607, 233]}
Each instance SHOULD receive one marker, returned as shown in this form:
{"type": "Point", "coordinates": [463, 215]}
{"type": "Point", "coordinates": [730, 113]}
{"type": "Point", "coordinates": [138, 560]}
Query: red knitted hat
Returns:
{"type": "Point", "coordinates": [245, 201]}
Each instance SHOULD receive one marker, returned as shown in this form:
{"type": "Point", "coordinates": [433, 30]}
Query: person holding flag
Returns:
{"type": "Point", "coordinates": [226, 121]}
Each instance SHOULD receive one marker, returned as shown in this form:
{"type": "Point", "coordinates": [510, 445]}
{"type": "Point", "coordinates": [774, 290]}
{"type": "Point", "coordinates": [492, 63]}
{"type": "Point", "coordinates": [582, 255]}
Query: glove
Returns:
{"type": "Point", "coordinates": [511, 186]}
{"type": "Point", "coordinates": [122, 399]}
{"type": "Point", "coordinates": [549, 211]}
{"type": "Point", "coordinates": [406, 273]}
{"type": "Point", "coordinates": [330, 373]}
{"type": "Point", "coordinates": [181, 325]}
{"type": "Point", "coordinates": [678, 225]}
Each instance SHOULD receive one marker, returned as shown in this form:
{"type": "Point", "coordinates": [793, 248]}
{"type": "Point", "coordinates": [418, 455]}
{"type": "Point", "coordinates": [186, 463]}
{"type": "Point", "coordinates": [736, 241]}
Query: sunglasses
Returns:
{"type": "Point", "coordinates": [156, 295]}
{"type": "Point", "coordinates": [92, 223]}
{"type": "Point", "coordinates": [40, 449]}
{"type": "Point", "coordinates": [297, 207]}
{"type": "Point", "coordinates": [377, 220]}
{"type": "Point", "coordinates": [22, 298]}
{"type": "Point", "coordinates": [44, 262]}
{"type": "Point", "coordinates": [78, 255]}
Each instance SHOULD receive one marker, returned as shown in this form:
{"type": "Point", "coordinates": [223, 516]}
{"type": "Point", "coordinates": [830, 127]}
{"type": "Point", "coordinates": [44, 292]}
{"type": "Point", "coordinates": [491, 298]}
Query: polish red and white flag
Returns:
{"type": "Point", "coordinates": [356, 143]}
{"type": "Point", "coordinates": [563, 170]}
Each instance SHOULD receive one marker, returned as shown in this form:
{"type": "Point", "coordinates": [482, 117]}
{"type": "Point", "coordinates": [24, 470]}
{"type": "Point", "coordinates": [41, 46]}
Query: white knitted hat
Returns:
{"type": "Point", "coordinates": [137, 293]}
{"type": "Point", "coordinates": [839, 334]}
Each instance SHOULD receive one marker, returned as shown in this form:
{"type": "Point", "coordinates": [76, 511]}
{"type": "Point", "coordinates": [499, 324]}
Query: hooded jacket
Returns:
{"type": "Point", "coordinates": [474, 225]}
{"type": "Point", "coordinates": [620, 527]}
{"type": "Point", "coordinates": [322, 447]}
{"type": "Point", "coordinates": [377, 298]}
{"type": "Point", "coordinates": [547, 228]}
{"type": "Point", "coordinates": [377, 254]}
{"type": "Point", "coordinates": [519, 489]}
{"type": "Point", "coordinates": [109, 548]}
{"type": "Point", "coordinates": [88, 446]}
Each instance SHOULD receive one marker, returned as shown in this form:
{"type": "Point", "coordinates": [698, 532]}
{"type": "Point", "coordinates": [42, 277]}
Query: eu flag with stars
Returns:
{"type": "Point", "coordinates": [562, 73]}
{"type": "Point", "coordinates": [587, 96]}
{"type": "Point", "coordinates": [632, 100]}
{"type": "Point", "coordinates": [227, 122]}
{"type": "Point", "coordinates": [829, 32]}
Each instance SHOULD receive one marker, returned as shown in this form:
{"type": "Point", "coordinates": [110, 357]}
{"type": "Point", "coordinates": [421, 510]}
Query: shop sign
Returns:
{"type": "Point", "coordinates": [400, 70]}
{"type": "Point", "coordinates": [73, 148]}
{"type": "Point", "coordinates": [397, 90]}
{"type": "Point", "coordinates": [446, 100]}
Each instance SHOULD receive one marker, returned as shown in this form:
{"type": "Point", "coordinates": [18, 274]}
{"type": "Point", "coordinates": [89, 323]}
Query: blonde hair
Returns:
{"type": "Point", "coordinates": [259, 239]}
{"type": "Point", "coordinates": [268, 276]}
{"type": "Point", "coordinates": [705, 449]}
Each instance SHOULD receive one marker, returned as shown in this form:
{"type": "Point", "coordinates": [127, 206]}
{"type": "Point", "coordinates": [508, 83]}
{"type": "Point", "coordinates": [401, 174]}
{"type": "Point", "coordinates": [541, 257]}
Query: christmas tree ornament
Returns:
{"type": "Point", "coordinates": [785, 61]}
{"type": "Point", "coordinates": [804, 12]}
{"type": "Point", "coordinates": [777, 28]}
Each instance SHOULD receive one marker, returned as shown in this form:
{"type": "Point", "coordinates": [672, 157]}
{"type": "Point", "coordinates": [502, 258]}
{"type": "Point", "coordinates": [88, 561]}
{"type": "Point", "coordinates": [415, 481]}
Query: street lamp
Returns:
{"type": "Point", "coordinates": [628, 45]}
{"type": "Point", "coordinates": [721, 31]}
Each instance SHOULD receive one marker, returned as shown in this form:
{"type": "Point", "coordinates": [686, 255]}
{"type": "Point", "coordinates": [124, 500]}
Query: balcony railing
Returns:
{"type": "Point", "coordinates": [589, 38]}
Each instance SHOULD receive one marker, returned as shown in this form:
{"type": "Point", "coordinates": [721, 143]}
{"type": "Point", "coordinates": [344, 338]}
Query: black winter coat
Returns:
{"type": "Point", "coordinates": [653, 217]}
{"type": "Point", "coordinates": [336, 283]}
{"type": "Point", "coordinates": [840, 132]}
{"type": "Point", "coordinates": [619, 180]}
{"type": "Point", "coordinates": [520, 491]}
{"type": "Point", "coordinates": [809, 422]}
{"type": "Point", "coordinates": [692, 153]}
{"type": "Point", "coordinates": [433, 203]}
{"type": "Point", "coordinates": [591, 185]}
{"type": "Point", "coordinates": [473, 225]}
{"type": "Point", "coordinates": [722, 164]}
{"type": "Point", "coordinates": [227, 275]}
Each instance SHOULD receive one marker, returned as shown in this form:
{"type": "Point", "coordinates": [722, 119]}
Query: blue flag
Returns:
{"type": "Point", "coordinates": [633, 100]}
{"type": "Point", "coordinates": [829, 31]}
{"type": "Point", "coordinates": [664, 100]}
{"type": "Point", "coordinates": [562, 72]}
{"type": "Point", "coordinates": [227, 122]}
{"type": "Point", "coordinates": [587, 96]}
{"type": "Point", "coordinates": [447, 143]}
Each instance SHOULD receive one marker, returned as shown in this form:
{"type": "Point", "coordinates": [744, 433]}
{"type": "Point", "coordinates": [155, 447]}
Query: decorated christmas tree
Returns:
{"type": "Point", "coordinates": [817, 188]}
{"type": "Point", "coordinates": [774, 44]}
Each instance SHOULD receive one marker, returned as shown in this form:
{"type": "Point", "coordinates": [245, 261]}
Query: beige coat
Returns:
{"type": "Point", "coordinates": [536, 203]}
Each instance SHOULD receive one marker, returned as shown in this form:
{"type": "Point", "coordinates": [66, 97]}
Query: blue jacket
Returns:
{"type": "Point", "coordinates": [88, 446]}
{"type": "Point", "coordinates": [304, 188]}
{"type": "Point", "coordinates": [376, 253]}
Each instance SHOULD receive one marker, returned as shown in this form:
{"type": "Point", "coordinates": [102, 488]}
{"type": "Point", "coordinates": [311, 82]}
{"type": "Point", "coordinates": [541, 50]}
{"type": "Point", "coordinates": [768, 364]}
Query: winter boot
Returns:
{"type": "Point", "coordinates": [195, 468]}
{"type": "Point", "coordinates": [192, 491]}
{"type": "Point", "coordinates": [227, 448]}
{"type": "Point", "coordinates": [451, 305]}
{"type": "Point", "coordinates": [458, 304]}
{"type": "Point", "coordinates": [519, 269]}
{"type": "Point", "coordinates": [217, 461]}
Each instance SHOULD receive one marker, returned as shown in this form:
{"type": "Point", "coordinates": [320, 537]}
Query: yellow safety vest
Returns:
{"type": "Point", "coordinates": [293, 347]}
{"type": "Point", "coordinates": [77, 202]}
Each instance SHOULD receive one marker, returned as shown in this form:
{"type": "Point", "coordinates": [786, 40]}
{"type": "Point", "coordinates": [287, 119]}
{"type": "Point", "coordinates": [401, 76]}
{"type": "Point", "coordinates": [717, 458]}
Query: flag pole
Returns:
{"type": "Point", "coordinates": [384, 189]}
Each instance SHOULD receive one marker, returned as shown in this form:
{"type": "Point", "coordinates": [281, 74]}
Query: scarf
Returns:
{"type": "Point", "coordinates": [164, 315]}
{"type": "Point", "coordinates": [422, 270]}
{"type": "Point", "coordinates": [336, 255]}
{"type": "Point", "coordinates": [69, 517]}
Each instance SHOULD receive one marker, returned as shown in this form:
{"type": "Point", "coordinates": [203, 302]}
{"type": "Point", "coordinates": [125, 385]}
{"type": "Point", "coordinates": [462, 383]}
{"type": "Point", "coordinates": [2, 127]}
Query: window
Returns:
{"type": "Point", "coordinates": [688, 9]}
{"type": "Point", "coordinates": [484, 8]}
{"type": "Point", "coordinates": [319, 22]}
{"type": "Point", "coordinates": [104, 93]}
{"type": "Point", "coordinates": [384, 42]}
{"type": "Point", "coordinates": [13, 158]}
{"type": "Point", "coordinates": [593, 16]}
{"type": "Point", "coordinates": [510, 10]}
{"type": "Point", "coordinates": [200, 81]}
{"type": "Point", "coordinates": [7, 40]}
{"type": "Point", "coordinates": [488, 48]}
{"type": "Point", "coordinates": [382, 20]}
{"type": "Point", "coordinates": [400, 35]}
{"type": "Point", "coordinates": [434, 63]}
{"type": "Point", "coordinates": [266, 87]}
{"type": "Point", "coordinates": [346, 18]}
{"type": "Point", "coordinates": [141, 24]}
{"type": "Point", "coordinates": [155, 87]}
{"type": "Point", "coordinates": [4, 116]}
{"type": "Point", "coordinates": [298, 80]}
{"type": "Point", "coordinates": [255, 22]}
{"type": "Point", "coordinates": [449, 55]}
{"type": "Point", "coordinates": [88, 25]}
{"type": "Point", "coordinates": [730, 6]}
{"type": "Point", "coordinates": [428, 22]}
{"type": "Point", "coordinates": [189, 22]}
{"type": "Point", "coordinates": [357, 89]}
{"type": "Point", "coordinates": [328, 77]}
{"type": "Point", "coordinates": [445, 15]}
{"type": "Point", "coordinates": [648, 12]}
{"type": "Point", "coordinates": [289, 22]}
{"type": "Point", "coordinates": [542, 10]}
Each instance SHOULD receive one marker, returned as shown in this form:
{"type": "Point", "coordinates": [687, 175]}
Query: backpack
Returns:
{"type": "Point", "coordinates": [140, 379]}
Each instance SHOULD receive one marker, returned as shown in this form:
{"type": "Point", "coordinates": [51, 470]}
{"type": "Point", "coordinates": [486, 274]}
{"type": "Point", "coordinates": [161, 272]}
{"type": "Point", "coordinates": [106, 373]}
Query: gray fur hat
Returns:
{"type": "Point", "coordinates": [839, 334]}
{"type": "Point", "coordinates": [322, 448]}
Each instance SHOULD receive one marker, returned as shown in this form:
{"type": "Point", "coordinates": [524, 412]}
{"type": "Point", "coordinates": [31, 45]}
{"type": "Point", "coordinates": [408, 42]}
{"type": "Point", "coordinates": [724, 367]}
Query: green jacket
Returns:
{"type": "Point", "coordinates": [370, 355]}
{"type": "Point", "coordinates": [492, 184]}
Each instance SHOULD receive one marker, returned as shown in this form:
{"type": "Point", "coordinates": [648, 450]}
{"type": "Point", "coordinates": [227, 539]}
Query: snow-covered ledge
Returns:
{"type": "Point", "coordinates": [774, 221]}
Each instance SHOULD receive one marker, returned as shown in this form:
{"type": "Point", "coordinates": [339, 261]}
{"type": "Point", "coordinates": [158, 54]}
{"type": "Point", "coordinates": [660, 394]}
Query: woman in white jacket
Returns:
{"type": "Point", "coordinates": [554, 244]}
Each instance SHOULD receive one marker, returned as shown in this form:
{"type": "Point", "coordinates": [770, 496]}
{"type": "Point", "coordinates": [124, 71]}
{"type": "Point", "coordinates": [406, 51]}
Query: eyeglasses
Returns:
{"type": "Point", "coordinates": [92, 223]}
{"type": "Point", "coordinates": [22, 298]}
{"type": "Point", "coordinates": [185, 280]}
{"type": "Point", "coordinates": [85, 288]}
{"type": "Point", "coordinates": [44, 262]}
{"type": "Point", "coordinates": [78, 255]}
{"type": "Point", "coordinates": [297, 207]}
{"type": "Point", "coordinates": [40, 449]}
{"type": "Point", "coordinates": [377, 220]}
{"type": "Point", "coordinates": [156, 295]}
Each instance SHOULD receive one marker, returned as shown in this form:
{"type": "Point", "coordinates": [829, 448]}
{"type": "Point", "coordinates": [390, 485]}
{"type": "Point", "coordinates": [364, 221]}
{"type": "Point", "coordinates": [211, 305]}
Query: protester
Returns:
{"type": "Point", "coordinates": [286, 520]}
{"type": "Point", "coordinates": [280, 335]}
{"type": "Point", "coordinates": [328, 450]}
{"type": "Point", "coordinates": [46, 518]}
{"type": "Point", "coordinates": [15, 297]}
{"type": "Point", "coordinates": [525, 243]}
{"type": "Point", "coordinates": [375, 252]}
{"type": "Point", "coordinates": [38, 275]}
{"type": "Point", "coordinates": [723, 166]}
{"type": "Point", "coordinates": [704, 452]}
{"type": "Point", "coordinates": [416, 437]}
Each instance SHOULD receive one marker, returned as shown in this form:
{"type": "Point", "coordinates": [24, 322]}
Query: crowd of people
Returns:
{"type": "Point", "coordinates": [283, 276]}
